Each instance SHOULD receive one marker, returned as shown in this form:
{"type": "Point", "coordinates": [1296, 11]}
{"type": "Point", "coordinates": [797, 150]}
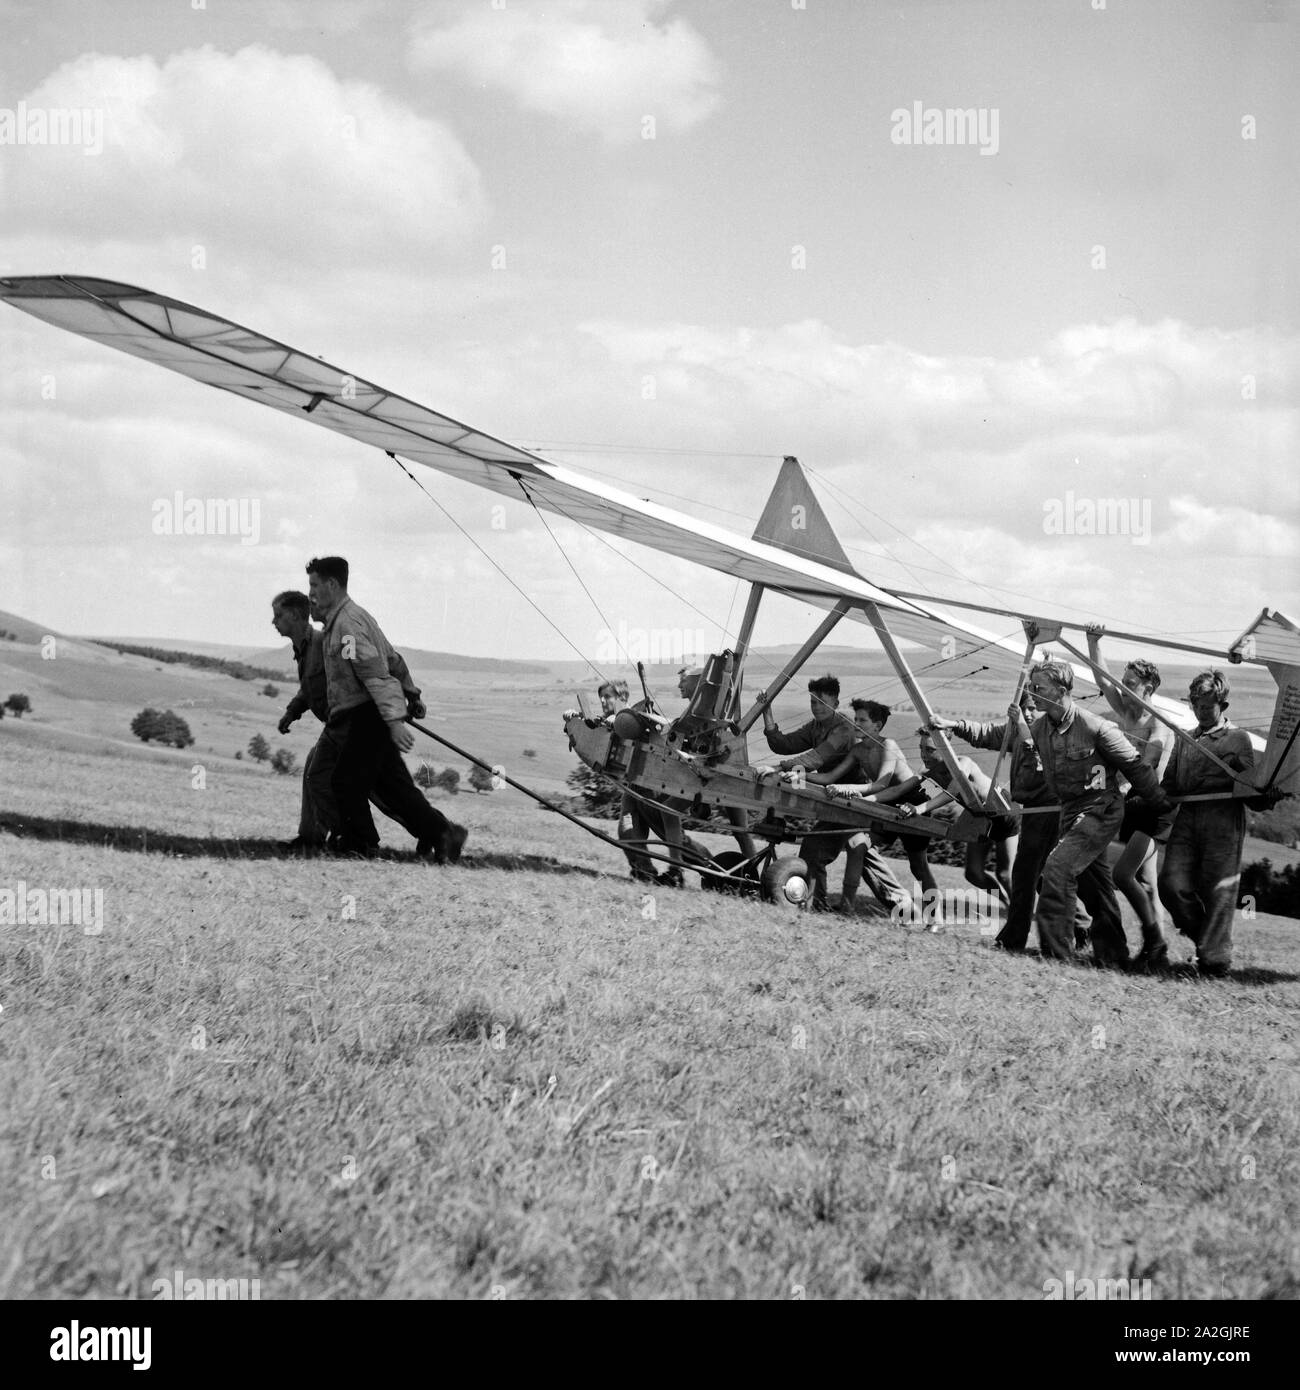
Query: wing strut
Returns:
{"type": "Point", "coordinates": [960, 789]}
{"type": "Point", "coordinates": [796, 661]}
{"type": "Point", "coordinates": [1144, 639]}
{"type": "Point", "coordinates": [741, 648]}
{"type": "Point", "coordinates": [996, 800]}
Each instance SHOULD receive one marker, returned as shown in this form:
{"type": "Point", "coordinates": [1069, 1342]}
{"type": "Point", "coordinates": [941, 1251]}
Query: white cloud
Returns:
{"type": "Point", "coordinates": [1124, 376]}
{"type": "Point", "coordinates": [957, 453]}
{"type": "Point", "coordinates": [600, 65]}
{"type": "Point", "coordinates": [1226, 531]}
{"type": "Point", "coordinates": [1108, 410]}
{"type": "Point", "coordinates": [253, 152]}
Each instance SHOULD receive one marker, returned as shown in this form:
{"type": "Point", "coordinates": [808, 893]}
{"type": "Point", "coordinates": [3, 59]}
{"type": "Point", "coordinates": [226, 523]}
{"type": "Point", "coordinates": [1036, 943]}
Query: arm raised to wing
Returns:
{"type": "Point", "coordinates": [1095, 631]}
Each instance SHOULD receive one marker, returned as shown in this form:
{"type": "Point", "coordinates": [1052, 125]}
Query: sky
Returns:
{"type": "Point", "coordinates": [666, 242]}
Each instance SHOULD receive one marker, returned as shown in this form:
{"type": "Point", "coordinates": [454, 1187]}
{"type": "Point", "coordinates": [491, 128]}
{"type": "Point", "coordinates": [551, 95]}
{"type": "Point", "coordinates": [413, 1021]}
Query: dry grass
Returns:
{"type": "Point", "coordinates": [508, 1080]}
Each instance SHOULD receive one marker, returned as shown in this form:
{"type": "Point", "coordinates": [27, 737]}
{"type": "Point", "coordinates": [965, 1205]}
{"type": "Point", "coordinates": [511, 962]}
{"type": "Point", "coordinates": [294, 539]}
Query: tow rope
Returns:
{"type": "Point", "coordinates": [621, 845]}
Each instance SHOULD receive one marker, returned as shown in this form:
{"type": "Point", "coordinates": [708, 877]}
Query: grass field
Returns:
{"type": "Point", "coordinates": [524, 1078]}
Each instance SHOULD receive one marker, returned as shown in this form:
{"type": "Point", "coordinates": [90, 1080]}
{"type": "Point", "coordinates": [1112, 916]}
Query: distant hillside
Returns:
{"type": "Point", "coordinates": [281, 658]}
{"type": "Point", "coordinates": [254, 656]}
{"type": "Point", "coordinates": [241, 670]}
{"type": "Point", "coordinates": [16, 629]}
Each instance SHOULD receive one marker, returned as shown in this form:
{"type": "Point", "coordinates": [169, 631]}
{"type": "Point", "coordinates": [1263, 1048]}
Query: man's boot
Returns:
{"type": "Point", "coordinates": [1154, 955]}
{"type": "Point", "coordinates": [817, 886]}
{"type": "Point", "coordinates": [853, 860]}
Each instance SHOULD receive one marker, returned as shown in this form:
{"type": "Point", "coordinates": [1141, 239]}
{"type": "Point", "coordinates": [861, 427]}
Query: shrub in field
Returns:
{"type": "Point", "coordinates": [530, 752]}
{"type": "Point", "coordinates": [173, 729]}
{"type": "Point", "coordinates": [282, 761]}
{"type": "Point", "coordinates": [1281, 825]}
{"type": "Point", "coordinates": [163, 725]}
{"type": "Point", "coordinates": [20, 705]}
{"type": "Point", "coordinates": [258, 748]}
{"type": "Point", "coordinates": [146, 724]}
{"type": "Point", "coordinates": [480, 778]}
{"type": "Point", "coordinates": [448, 780]}
{"type": "Point", "coordinates": [1273, 890]}
{"type": "Point", "coordinates": [271, 690]}
{"type": "Point", "coordinates": [950, 852]}
{"type": "Point", "coordinates": [595, 795]}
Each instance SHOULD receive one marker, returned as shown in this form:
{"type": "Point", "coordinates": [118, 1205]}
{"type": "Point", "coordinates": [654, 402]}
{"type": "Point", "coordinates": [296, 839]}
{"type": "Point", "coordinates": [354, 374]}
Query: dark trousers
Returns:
{"type": "Point", "coordinates": [369, 764]}
{"type": "Point", "coordinates": [819, 851]}
{"type": "Point", "coordinates": [1078, 864]}
{"type": "Point", "coordinates": [637, 819]}
{"type": "Point", "coordinates": [319, 817]}
{"type": "Point", "coordinates": [1201, 875]}
{"type": "Point", "coordinates": [1038, 836]}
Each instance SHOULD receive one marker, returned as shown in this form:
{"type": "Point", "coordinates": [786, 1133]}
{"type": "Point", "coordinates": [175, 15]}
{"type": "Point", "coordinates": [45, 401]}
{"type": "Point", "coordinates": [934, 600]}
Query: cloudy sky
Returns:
{"type": "Point", "coordinates": [666, 242]}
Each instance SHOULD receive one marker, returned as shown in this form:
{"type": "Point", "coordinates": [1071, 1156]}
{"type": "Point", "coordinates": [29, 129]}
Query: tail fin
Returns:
{"type": "Point", "coordinates": [1275, 640]}
{"type": "Point", "coordinates": [793, 520]}
{"type": "Point", "coordinates": [1280, 765]}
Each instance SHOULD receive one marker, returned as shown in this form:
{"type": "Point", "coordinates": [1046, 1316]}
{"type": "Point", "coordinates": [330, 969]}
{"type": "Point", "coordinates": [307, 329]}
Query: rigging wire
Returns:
{"type": "Point", "coordinates": [538, 512]}
{"type": "Point", "coordinates": [726, 628]}
{"type": "Point", "coordinates": [582, 446]}
{"type": "Point", "coordinates": [889, 553]}
{"type": "Point", "coordinates": [681, 598]}
{"type": "Point", "coordinates": [638, 486]}
{"type": "Point", "coordinates": [888, 681]}
{"type": "Point", "coordinates": [731, 607]}
{"type": "Point", "coordinates": [843, 496]}
{"type": "Point", "coordinates": [912, 567]}
{"type": "Point", "coordinates": [487, 556]}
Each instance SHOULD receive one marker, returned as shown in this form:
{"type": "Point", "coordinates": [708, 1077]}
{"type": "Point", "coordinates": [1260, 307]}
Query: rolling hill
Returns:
{"type": "Point", "coordinates": [505, 711]}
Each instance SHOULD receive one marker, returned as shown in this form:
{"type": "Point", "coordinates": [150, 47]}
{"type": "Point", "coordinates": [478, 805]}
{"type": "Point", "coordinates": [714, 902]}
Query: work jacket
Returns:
{"type": "Point", "coordinates": [1028, 781]}
{"type": "Point", "coordinates": [1189, 771]}
{"type": "Point", "coordinates": [359, 662]}
{"type": "Point", "coordinates": [312, 685]}
{"type": "Point", "coordinates": [820, 743]}
{"type": "Point", "coordinates": [1082, 756]}
{"type": "Point", "coordinates": [312, 695]}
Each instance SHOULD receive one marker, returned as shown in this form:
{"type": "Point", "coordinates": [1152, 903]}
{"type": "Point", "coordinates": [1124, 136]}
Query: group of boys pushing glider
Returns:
{"type": "Point", "coordinates": [1069, 768]}
{"type": "Point", "coordinates": [1078, 782]}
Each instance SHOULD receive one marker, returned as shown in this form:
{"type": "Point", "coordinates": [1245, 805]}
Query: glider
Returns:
{"type": "Point", "coordinates": [793, 551]}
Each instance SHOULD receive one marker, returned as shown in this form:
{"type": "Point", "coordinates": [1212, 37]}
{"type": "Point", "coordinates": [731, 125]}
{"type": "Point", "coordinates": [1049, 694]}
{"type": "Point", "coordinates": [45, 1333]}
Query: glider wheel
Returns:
{"type": "Point", "coordinates": [785, 882]}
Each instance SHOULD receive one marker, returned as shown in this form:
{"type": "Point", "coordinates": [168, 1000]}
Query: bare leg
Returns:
{"type": "Point", "coordinates": [854, 858]}
{"type": "Point", "coordinates": [1004, 857]}
{"type": "Point", "coordinates": [919, 864]}
{"type": "Point", "coordinates": [1134, 873]}
{"type": "Point", "coordinates": [978, 875]}
{"type": "Point", "coordinates": [740, 823]}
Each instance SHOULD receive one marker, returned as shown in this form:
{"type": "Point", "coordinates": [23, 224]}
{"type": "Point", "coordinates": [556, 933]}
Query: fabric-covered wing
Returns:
{"type": "Point", "coordinates": [210, 349]}
{"type": "Point", "coordinates": [222, 354]}
{"type": "Point", "coordinates": [965, 647]}
{"type": "Point", "coordinates": [213, 350]}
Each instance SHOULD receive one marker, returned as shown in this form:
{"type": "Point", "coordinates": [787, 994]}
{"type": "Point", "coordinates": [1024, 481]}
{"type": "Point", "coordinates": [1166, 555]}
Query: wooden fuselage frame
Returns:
{"type": "Point", "coordinates": [655, 768]}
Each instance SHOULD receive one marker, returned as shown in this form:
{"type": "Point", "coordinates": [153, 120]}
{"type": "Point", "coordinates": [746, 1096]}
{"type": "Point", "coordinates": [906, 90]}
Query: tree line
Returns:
{"type": "Point", "coordinates": [240, 670]}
